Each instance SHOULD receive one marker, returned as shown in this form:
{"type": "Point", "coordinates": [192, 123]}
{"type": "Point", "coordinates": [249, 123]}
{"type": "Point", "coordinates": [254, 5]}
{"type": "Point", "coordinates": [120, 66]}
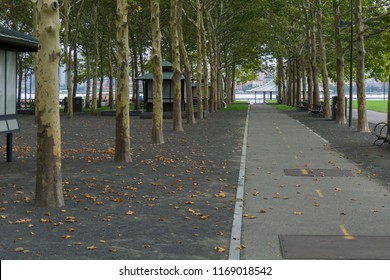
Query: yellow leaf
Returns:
{"type": "Point", "coordinates": [219, 249]}
{"type": "Point", "coordinates": [204, 217]}
{"type": "Point", "coordinates": [3, 217]}
{"type": "Point", "coordinates": [19, 249]}
{"type": "Point", "coordinates": [91, 247]}
{"type": "Point", "coordinates": [45, 220]}
{"type": "Point", "coordinates": [70, 219]}
{"type": "Point", "coordinates": [67, 236]}
{"type": "Point", "coordinates": [190, 202]}
{"type": "Point", "coordinates": [102, 241]}
{"type": "Point", "coordinates": [298, 213]}
{"type": "Point", "coordinates": [221, 195]}
{"type": "Point", "coordinates": [130, 212]}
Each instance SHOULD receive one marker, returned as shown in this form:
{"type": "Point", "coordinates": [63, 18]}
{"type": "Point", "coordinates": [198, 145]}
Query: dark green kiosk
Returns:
{"type": "Point", "coordinates": [11, 43]}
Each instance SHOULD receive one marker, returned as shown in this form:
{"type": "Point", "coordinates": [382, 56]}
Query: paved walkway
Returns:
{"type": "Point", "coordinates": [277, 204]}
{"type": "Point", "coordinates": [372, 116]}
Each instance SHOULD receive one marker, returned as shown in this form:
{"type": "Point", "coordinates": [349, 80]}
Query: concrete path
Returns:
{"type": "Point", "coordinates": [277, 204]}
{"type": "Point", "coordinates": [372, 116]}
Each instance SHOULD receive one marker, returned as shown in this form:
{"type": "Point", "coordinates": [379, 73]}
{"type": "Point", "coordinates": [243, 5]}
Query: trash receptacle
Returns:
{"type": "Point", "coordinates": [334, 107]}
{"type": "Point", "coordinates": [77, 104]}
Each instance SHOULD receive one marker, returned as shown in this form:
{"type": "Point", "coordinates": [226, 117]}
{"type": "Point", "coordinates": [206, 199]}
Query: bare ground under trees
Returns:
{"type": "Point", "coordinates": [174, 201]}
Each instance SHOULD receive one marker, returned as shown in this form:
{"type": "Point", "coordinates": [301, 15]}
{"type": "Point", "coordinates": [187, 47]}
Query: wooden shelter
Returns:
{"type": "Point", "coordinates": [11, 43]}
{"type": "Point", "coordinates": [167, 89]}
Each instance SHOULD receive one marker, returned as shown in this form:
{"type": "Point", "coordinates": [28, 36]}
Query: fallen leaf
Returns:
{"type": "Point", "coordinates": [102, 241]}
{"type": "Point", "coordinates": [219, 249]}
{"type": "Point", "coordinates": [67, 236]}
{"type": "Point", "coordinates": [91, 247]}
{"type": "Point", "coordinates": [220, 194]}
{"type": "Point", "coordinates": [70, 219]}
{"type": "Point", "coordinates": [45, 220]}
{"type": "Point", "coordinates": [204, 217]}
{"type": "Point", "coordinates": [298, 213]}
{"type": "Point", "coordinates": [130, 213]}
{"type": "Point", "coordinates": [113, 250]}
{"type": "Point", "coordinates": [19, 249]}
{"type": "Point", "coordinates": [3, 217]}
{"type": "Point", "coordinates": [255, 193]}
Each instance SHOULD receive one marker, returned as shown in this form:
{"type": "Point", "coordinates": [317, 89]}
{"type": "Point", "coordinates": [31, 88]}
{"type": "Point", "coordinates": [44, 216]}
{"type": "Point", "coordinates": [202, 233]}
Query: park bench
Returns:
{"type": "Point", "coordinates": [302, 106]}
{"type": "Point", "coordinates": [382, 133]}
{"type": "Point", "coordinates": [317, 109]}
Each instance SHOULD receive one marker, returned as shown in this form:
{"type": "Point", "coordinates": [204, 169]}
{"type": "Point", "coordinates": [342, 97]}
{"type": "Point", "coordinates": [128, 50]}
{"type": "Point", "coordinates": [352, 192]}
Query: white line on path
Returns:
{"type": "Point", "coordinates": [235, 238]}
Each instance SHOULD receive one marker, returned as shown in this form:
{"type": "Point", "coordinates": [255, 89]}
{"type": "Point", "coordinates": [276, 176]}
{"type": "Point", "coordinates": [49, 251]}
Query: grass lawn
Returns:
{"type": "Point", "coordinates": [283, 107]}
{"type": "Point", "coordinates": [237, 106]}
{"type": "Point", "coordinates": [374, 105]}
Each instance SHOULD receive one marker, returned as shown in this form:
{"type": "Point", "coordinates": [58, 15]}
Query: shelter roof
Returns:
{"type": "Point", "coordinates": [10, 39]}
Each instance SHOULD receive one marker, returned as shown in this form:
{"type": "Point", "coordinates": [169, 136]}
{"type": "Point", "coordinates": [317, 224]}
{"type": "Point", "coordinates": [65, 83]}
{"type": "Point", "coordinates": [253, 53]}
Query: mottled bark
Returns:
{"type": "Point", "coordinates": [122, 135]}
{"type": "Point", "coordinates": [68, 58]}
{"type": "Point", "coordinates": [95, 61]}
{"type": "Point", "coordinates": [362, 125]}
{"type": "Point", "coordinates": [340, 62]}
{"type": "Point", "coordinates": [48, 177]}
{"type": "Point", "coordinates": [157, 128]}
{"type": "Point", "coordinates": [187, 68]}
{"type": "Point", "coordinates": [313, 63]}
{"type": "Point", "coordinates": [176, 79]}
{"type": "Point", "coordinates": [199, 68]}
{"type": "Point", "coordinates": [324, 67]}
{"type": "Point", "coordinates": [205, 66]}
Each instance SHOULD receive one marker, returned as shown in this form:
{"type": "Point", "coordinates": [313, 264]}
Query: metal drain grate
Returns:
{"type": "Point", "coordinates": [335, 247]}
{"type": "Point", "coordinates": [318, 172]}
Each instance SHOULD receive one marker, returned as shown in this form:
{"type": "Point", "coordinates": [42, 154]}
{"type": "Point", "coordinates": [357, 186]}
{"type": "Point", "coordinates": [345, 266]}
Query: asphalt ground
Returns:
{"type": "Point", "coordinates": [279, 203]}
{"type": "Point", "coordinates": [173, 201]}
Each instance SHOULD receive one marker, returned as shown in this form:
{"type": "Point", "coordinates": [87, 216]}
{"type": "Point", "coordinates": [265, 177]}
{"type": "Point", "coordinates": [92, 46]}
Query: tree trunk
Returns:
{"type": "Point", "coordinates": [298, 82]}
{"type": "Point", "coordinates": [88, 78]}
{"type": "Point", "coordinates": [303, 78]}
{"type": "Point", "coordinates": [111, 76]}
{"type": "Point", "coordinates": [324, 69]}
{"type": "Point", "coordinates": [101, 84]}
{"type": "Point", "coordinates": [176, 79]}
{"type": "Point", "coordinates": [290, 83]}
{"type": "Point", "coordinates": [122, 136]}
{"type": "Point", "coordinates": [280, 78]}
{"type": "Point", "coordinates": [20, 80]}
{"type": "Point", "coordinates": [313, 61]}
{"type": "Point", "coordinates": [294, 83]}
{"type": "Point", "coordinates": [199, 72]}
{"type": "Point", "coordinates": [388, 103]}
{"type": "Point", "coordinates": [187, 68]}
{"type": "Point", "coordinates": [362, 125]}
{"type": "Point", "coordinates": [341, 106]}
{"type": "Point", "coordinates": [75, 71]}
{"type": "Point", "coordinates": [228, 83]}
{"type": "Point", "coordinates": [95, 61]}
{"type": "Point", "coordinates": [48, 177]}
{"type": "Point", "coordinates": [205, 66]}
{"type": "Point", "coordinates": [68, 59]}
{"type": "Point", "coordinates": [157, 129]}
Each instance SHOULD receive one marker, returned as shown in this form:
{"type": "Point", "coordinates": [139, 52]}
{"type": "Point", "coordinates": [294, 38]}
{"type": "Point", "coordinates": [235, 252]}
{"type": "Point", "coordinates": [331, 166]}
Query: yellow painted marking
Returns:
{"type": "Point", "coordinates": [319, 193]}
{"type": "Point", "coordinates": [304, 172]}
{"type": "Point", "coordinates": [346, 233]}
